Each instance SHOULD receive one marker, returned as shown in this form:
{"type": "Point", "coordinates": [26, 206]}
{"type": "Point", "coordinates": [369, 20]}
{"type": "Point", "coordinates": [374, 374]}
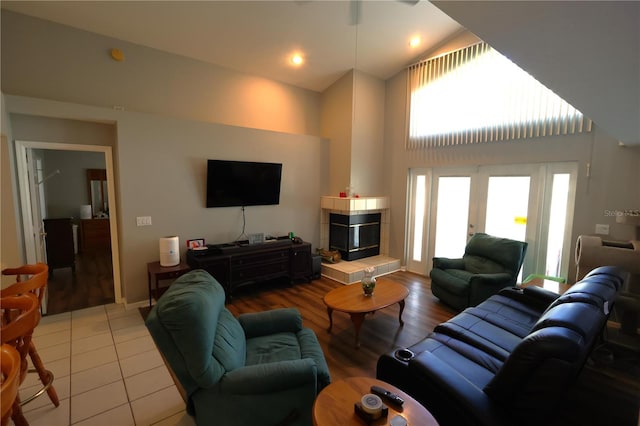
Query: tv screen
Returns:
{"type": "Point", "coordinates": [242, 183]}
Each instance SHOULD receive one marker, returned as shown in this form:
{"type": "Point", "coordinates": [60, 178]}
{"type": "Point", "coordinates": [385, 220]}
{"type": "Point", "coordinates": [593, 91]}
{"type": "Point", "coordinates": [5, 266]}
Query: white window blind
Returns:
{"type": "Point", "coordinates": [476, 95]}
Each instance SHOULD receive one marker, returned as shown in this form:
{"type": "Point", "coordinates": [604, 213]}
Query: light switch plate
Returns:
{"type": "Point", "coordinates": [143, 220]}
{"type": "Point", "coordinates": [602, 229]}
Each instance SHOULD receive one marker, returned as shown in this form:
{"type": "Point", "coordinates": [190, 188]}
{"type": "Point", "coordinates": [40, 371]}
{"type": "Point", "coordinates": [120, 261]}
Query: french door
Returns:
{"type": "Point", "coordinates": [532, 203]}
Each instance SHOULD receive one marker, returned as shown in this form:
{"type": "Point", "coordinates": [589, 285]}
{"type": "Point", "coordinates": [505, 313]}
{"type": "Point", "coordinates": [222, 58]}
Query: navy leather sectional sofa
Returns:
{"type": "Point", "coordinates": [511, 359]}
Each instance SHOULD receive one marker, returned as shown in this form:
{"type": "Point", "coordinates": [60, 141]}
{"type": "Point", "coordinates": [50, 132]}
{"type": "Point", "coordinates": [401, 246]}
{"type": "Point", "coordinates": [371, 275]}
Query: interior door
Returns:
{"type": "Point", "coordinates": [37, 180]}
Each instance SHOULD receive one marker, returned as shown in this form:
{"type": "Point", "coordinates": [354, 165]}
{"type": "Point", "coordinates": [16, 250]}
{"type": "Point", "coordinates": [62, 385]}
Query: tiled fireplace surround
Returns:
{"type": "Point", "coordinates": [349, 272]}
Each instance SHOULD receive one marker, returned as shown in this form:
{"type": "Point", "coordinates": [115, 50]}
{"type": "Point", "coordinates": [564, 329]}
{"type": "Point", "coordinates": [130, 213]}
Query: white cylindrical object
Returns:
{"type": "Point", "coordinates": [371, 404]}
{"type": "Point", "coordinates": [169, 251]}
{"type": "Point", "coordinates": [85, 211]}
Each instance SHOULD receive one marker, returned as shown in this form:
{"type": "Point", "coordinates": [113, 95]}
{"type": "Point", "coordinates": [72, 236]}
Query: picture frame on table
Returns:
{"type": "Point", "coordinates": [195, 244]}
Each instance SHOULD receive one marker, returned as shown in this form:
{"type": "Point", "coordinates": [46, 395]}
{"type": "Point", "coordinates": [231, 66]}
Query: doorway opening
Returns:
{"type": "Point", "coordinates": [97, 272]}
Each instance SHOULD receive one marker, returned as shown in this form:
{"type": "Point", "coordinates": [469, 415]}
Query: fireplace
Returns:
{"type": "Point", "coordinates": [355, 236]}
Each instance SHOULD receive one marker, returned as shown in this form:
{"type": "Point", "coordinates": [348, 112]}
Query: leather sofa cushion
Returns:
{"type": "Point", "coordinates": [510, 314]}
{"type": "Point", "coordinates": [582, 318]}
{"type": "Point", "coordinates": [597, 295]}
{"type": "Point", "coordinates": [481, 334]}
{"type": "Point", "coordinates": [474, 365]}
{"type": "Point", "coordinates": [543, 364]}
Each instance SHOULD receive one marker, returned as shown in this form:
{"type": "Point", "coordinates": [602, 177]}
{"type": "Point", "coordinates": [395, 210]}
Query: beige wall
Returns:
{"type": "Point", "coordinates": [337, 126]}
{"type": "Point", "coordinates": [178, 113]}
{"type": "Point", "coordinates": [353, 120]}
{"type": "Point", "coordinates": [10, 237]}
{"type": "Point", "coordinates": [367, 165]}
{"type": "Point", "coordinates": [162, 172]}
{"type": "Point", "coordinates": [51, 61]}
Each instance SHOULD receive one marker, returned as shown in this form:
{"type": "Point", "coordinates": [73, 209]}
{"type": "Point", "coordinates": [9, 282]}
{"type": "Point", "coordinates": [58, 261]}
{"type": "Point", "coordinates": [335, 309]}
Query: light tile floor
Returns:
{"type": "Point", "coordinates": [107, 372]}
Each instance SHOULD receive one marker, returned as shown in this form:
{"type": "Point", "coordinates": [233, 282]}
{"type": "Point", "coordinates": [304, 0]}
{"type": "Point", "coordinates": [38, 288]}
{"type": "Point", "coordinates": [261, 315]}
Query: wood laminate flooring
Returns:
{"type": "Point", "coordinates": [90, 285]}
{"type": "Point", "coordinates": [601, 395]}
{"type": "Point", "coordinates": [596, 399]}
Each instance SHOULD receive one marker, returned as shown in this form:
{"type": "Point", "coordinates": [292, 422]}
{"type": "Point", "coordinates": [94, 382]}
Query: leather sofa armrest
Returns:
{"type": "Point", "coordinates": [456, 389]}
{"type": "Point", "coordinates": [534, 297]}
{"type": "Point", "coordinates": [270, 322]}
{"type": "Point", "coordinates": [270, 377]}
{"type": "Point", "coordinates": [540, 294]}
{"type": "Point", "coordinates": [446, 263]}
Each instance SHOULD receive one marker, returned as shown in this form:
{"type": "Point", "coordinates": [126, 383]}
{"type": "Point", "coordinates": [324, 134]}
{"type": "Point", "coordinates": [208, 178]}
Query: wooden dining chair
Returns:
{"type": "Point", "coordinates": [33, 279]}
{"type": "Point", "coordinates": [10, 366]}
{"type": "Point", "coordinates": [24, 314]}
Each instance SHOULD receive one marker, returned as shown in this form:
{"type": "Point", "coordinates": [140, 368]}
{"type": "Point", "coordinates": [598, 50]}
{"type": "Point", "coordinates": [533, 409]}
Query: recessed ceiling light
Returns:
{"type": "Point", "coordinates": [415, 41]}
{"type": "Point", "coordinates": [297, 59]}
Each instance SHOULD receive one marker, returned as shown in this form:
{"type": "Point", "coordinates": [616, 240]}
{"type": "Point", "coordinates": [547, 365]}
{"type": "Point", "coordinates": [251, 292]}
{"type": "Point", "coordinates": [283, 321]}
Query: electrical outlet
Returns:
{"type": "Point", "coordinates": [143, 220]}
{"type": "Point", "coordinates": [602, 229]}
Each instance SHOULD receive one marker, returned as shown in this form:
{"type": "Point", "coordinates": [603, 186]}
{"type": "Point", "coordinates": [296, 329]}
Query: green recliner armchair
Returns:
{"type": "Point", "coordinates": [488, 265]}
{"type": "Point", "coordinates": [261, 368]}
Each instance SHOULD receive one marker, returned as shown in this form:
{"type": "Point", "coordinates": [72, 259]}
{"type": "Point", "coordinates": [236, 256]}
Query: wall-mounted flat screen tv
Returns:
{"type": "Point", "coordinates": [242, 183]}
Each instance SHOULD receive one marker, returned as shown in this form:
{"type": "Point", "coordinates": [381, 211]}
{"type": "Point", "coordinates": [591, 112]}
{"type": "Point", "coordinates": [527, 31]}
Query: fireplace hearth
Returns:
{"type": "Point", "coordinates": [355, 236]}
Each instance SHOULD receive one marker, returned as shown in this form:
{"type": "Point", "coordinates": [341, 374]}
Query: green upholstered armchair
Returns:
{"type": "Point", "coordinates": [489, 264]}
{"type": "Point", "coordinates": [258, 369]}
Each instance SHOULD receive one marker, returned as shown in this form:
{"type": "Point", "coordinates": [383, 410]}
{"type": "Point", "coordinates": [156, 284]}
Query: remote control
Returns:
{"type": "Point", "coordinates": [389, 396]}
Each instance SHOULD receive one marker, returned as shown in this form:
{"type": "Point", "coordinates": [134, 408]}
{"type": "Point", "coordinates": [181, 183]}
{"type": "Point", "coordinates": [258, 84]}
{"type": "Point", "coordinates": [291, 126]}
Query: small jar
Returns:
{"type": "Point", "coordinates": [368, 281]}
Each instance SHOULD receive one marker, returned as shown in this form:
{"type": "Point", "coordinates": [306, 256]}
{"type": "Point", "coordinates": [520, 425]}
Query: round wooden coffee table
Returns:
{"type": "Point", "coordinates": [352, 300]}
{"type": "Point", "coordinates": [334, 405]}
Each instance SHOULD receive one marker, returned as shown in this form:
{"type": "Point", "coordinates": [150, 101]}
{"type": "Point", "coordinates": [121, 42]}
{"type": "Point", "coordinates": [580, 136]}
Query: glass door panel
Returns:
{"type": "Point", "coordinates": [525, 202]}
{"type": "Point", "coordinates": [557, 221]}
{"type": "Point", "coordinates": [417, 232]}
{"type": "Point", "coordinates": [507, 206]}
{"type": "Point", "coordinates": [452, 215]}
{"type": "Point", "coordinates": [418, 217]}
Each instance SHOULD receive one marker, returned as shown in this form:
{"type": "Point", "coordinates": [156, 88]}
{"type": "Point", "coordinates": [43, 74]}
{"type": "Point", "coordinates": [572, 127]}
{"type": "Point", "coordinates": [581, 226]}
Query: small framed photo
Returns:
{"type": "Point", "coordinates": [195, 244]}
{"type": "Point", "coordinates": [256, 238]}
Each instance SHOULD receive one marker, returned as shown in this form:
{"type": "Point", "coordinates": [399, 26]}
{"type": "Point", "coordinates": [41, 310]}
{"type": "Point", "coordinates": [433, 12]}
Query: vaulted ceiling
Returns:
{"type": "Point", "coordinates": [586, 51]}
{"type": "Point", "coordinates": [258, 37]}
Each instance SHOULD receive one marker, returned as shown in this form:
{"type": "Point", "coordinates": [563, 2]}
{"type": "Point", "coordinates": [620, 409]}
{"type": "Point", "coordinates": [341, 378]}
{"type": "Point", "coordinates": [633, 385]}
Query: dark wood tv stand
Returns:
{"type": "Point", "coordinates": [234, 265]}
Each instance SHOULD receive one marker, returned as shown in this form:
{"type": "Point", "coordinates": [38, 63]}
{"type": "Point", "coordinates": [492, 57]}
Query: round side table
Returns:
{"type": "Point", "coordinates": [334, 405]}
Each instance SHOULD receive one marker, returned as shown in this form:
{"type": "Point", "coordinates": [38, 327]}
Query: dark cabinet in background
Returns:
{"type": "Point", "coordinates": [59, 243]}
{"type": "Point", "coordinates": [234, 266]}
{"type": "Point", "coordinates": [95, 235]}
